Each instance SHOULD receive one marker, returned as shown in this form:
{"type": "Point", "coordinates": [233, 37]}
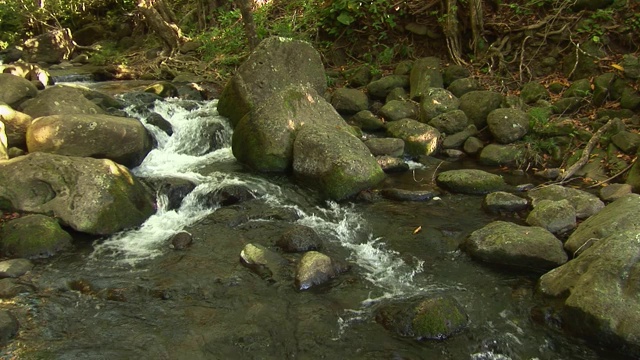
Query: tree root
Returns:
{"type": "Point", "coordinates": [584, 158]}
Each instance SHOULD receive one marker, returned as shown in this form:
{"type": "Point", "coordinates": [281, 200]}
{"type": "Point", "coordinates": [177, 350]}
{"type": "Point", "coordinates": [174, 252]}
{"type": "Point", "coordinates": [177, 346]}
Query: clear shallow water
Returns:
{"type": "Point", "coordinates": [130, 296]}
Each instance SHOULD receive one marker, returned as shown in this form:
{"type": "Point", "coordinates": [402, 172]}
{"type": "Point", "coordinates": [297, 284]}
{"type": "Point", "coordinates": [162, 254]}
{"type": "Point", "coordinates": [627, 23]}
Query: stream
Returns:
{"type": "Point", "coordinates": [130, 296]}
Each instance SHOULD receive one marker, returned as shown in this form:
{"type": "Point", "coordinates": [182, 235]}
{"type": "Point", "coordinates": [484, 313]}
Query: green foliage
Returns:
{"type": "Point", "coordinates": [107, 53]}
{"type": "Point", "coordinates": [345, 17]}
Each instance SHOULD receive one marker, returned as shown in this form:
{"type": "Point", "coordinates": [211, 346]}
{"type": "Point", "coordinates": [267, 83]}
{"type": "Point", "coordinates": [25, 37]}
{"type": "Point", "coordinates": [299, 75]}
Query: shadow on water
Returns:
{"type": "Point", "coordinates": [132, 297]}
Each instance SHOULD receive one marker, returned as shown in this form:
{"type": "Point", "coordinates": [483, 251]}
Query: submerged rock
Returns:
{"type": "Point", "coordinates": [470, 181]}
{"type": "Point", "coordinates": [9, 326]}
{"type": "Point", "coordinates": [265, 262]}
{"type": "Point", "coordinates": [15, 268]}
{"type": "Point", "coordinates": [316, 268]}
{"type": "Point", "coordinates": [299, 238]}
{"type": "Point", "coordinates": [426, 318]}
{"type": "Point", "coordinates": [505, 243]}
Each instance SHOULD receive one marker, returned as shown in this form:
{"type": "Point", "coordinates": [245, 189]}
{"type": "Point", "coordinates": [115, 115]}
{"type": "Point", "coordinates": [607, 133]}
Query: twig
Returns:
{"type": "Point", "coordinates": [616, 175]}
{"type": "Point", "coordinates": [585, 153]}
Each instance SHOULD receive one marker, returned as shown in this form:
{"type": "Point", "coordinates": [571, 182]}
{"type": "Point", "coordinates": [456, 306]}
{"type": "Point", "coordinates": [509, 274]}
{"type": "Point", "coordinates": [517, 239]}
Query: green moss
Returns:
{"type": "Point", "coordinates": [438, 318]}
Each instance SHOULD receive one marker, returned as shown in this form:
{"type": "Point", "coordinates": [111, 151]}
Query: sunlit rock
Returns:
{"type": "Point", "coordinates": [33, 236]}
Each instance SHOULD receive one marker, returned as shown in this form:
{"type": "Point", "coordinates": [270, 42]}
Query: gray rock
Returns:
{"type": "Point", "coordinates": [436, 101]}
{"type": "Point", "coordinates": [16, 124]}
{"type": "Point", "coordinates": [50, 47]}
{"type": "Point", "coordinates": [316, 268]}
{"type": "Point", "coordinates": [9, 288]}
{"type": "Point", "coordinates": [181, 241]}
{"type": "Point", "coordinates": [508, 125]}
{"type": "Point", "coordinates": [470, 181]}
{"type": "Point", "coordinates": [367, 121]}
{"type": "Point", "coordinates": [158, 121]}
{"type": "Point", "coordinates": [450, 122]}
{"type": "Point", "coordinates": [600, 298]}
{"type": "Point", "coordinates": [392, 164]}
{"type": "Point", "coordinates": [453, 154]}
{"type": "Point", "coordinates": [419, 138]}
{"type": "Point", "coordinates": [460, 87]}
{"type": "Point", "coordinates": [60, 100]}
{"type": "Point", "coordinates": [33, 236]}
{"type": "Point", "coordinates": [478, 104]}
{"type": "Point", "coordinates": [473, 145]}
{"type": "Point", "coordinates": [359, 77]}
{"type": "Point", "coordinates": [385, 146]}
{"type": "Point", "coordinates": [263, 139]}
{"type": "Point", "coordinates": [14, 90]}
{"type": "Point", "coordinates": [505, 243]}
{"type": "Point", "coordinates": [586, 204]}
{"type": "Point", "coordinates": [276, 63]}
{"type": "Point", "coordinates": [423, 318]}
{"type": "Point", "coordinates": [397, 94]}
{"type": "Point", "coordinates": [613, 192]}
{"type": "Point", "coordinates": [501, 201]}
{"type": "Point", "coordinates": [601, 86]}
{"type": "Point", "coordinates": [349, 101]}
{"type": "Point", "coordinates": [497, 155]}
{"type": "Point", "coordinates": [123, 140]}
{"type": "Point", "coordinates": [15, 268]}
{"type": "Point", "coordinates": [299, 238]}
{"type": "Point", "coordinates": [333, 161]}
{"type": "Point", "coordinates": [9, 326]}
{"type": "Point", "coordinates": [568, 105]}
{"type": "Point", "coordinates": [380, 88]}
{"type": "Point", "coordinates": [630, 99]}
{"type": "Point", "coordinates": [89, 195]}
{"type": "Point", "coordinates": [265, 262]}
{"type": "Point", "coordinates": [579, 88]}
{"type": "Point", "coordinates": [556, 216]}
{"type": "Point", "coordinates": [409, 195]}
{"type": "Point", "coordinates": [425, 74]}
{"type": "Point", "coordinates": [631, 65]}
{"type": "Point", "coordinates": [626, 141]}
{"type": "Point", "coordinates": [618, 216]}
{"type": "Point", "coordinates": [403, 68]}
{"type": "Point", "coordinates": [458, 139]}
{"type": "Point", "coordinates": [399, 109]}
{"type": "Point", "coordinates": [454, 72]}
{"type": "Point", "coordinates": [532, 92]}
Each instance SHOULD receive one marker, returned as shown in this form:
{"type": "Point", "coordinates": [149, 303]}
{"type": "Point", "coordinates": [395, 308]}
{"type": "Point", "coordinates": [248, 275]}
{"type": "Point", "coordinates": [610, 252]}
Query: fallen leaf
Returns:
{"type": "Point", "coordinates": [417, 230]}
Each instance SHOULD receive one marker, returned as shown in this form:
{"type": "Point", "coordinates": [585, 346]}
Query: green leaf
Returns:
{"type": "Point", "coordinates": [345, 19]}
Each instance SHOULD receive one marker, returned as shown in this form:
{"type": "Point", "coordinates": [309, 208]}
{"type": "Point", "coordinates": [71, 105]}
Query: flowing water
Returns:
{"type": "Point", "coordinates": [130, 296]}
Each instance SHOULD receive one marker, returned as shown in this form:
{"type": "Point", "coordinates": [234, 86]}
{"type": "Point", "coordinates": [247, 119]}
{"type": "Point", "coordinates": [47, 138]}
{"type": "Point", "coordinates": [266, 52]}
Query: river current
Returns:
{"type": "Point", "coordinates": [131, 296]}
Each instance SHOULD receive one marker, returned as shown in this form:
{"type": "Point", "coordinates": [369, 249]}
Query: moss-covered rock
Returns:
{"type": "Point", "coordinates": [33, 236]}
{"type": "Point", "coordinates": [380, 88]}
{"type": "Point", "coordinates": [508, 125]}
{"type": "Point", "coordinates": [435, 318]}
{"type": "Point", "coordinates": [436, 101]}
{"type": "Point", "coordinates": [532, 92]}
{"type": "Point", "coordinates": [495, 154]}
{"type": "Point", "coordinates": [478, 104]}
{"type": "Point", "coordinates": [399, 109]}
{"type": "Point", "coordinates": [425, 74]}
{"type": "Point", "coordinates": [276, 63]}
{"type": "Point", "coordinates": [470, 181]}
{"type": "Point", "coordinates": [333, 161]}
{"type": "Point", "coordinates": [419, 138]}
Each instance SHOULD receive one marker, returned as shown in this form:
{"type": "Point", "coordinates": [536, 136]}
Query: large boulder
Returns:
{"type": "Point", "coordinates": [89, 195]}
{"type": "Point", "coordinates": [276, 63]}
{"type": "Point", "coordinates": [586, 204]}
{"type": "Point", "coordinates": [334, 161]}
{"type": "Point", "coordinates": [478, 104]}
{"type": "Point", "coordinates": [349, 101]}
{"type": "Point", "coordinates": [620, 215]}
{"type": "Point", "coordinates": [51, 47]}
{"type": "Point", "coordinates": [263, 139]}
{"type": "Point", "coordinates": [508, 125]}
{"type": "Point", "coordinates": [419, 138]}
{"type": "Point", "coordinates": [425, 74]}
{"type": "Point", "coordinates": [505, 243]}
{"type": "Point", "coordinates": [60, 100]}
{"type": "Point", "coordinates": [33, 236]}
{"type": "Point", "coordinates": [437, 101]}
{"type": "Point", "coordinates": [16, 124]}
{"type": "Point", "coordinates": [470, 181]}
{"type": "Point", "coordinates": [123, 140]}
{"type": "Point", "coordinates": [14, 89]}
{"type": "Point", "coordinates": [599, 290]}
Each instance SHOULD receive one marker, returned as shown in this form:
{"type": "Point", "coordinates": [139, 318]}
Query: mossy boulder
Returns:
{"type": "Point", "coordinates": [425, 74]}
{"type": "Point", "coordinates": [349, 101]}
{"type": "Point", "coordinates": [315, 269]}
{"type": "Point", "coordinates": [478, 104]}
{"type": "Point", "coordinates": [436, 101]}
{"type": "Point", "coordinates": [586, 204]}
{"type": "Point", "coordinates": [419, 139]}
{"type": "Point", "coordinates": [380, 88]}
{"type": "Point", "coordinates": [263, 139]}
{"type": "Point", "coordinates": [532, 92]}
{"type": "Point", "coordinates": [508, 125]}
{"type": "Point", "coordinates": [399, 109]}
{"type": "Point", "coordinates": [436, 318]}
{"type": "Point", "coordinates": [276, 63]}
{"type": "Point", "coordinates": [512, 245]}
{"type": "Point", "coordinates": [95, 196]}
{"type": "Point", "coordinates": [555, 216]}
{"type": "Point", "coordinates": [498, 155]}
{"type": "Point", "coordinates": [60, 100]}
{"type": "Point", "coordinates": [450, 122]}
{"type": "Point", "coordinates": [470, 181]}
{"type": "Point", "coordinates": [33, 236]}
{"type": "Point", "coordinates": [14, 89]}
{"type": "Point", "coordinates": [334, 162]}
